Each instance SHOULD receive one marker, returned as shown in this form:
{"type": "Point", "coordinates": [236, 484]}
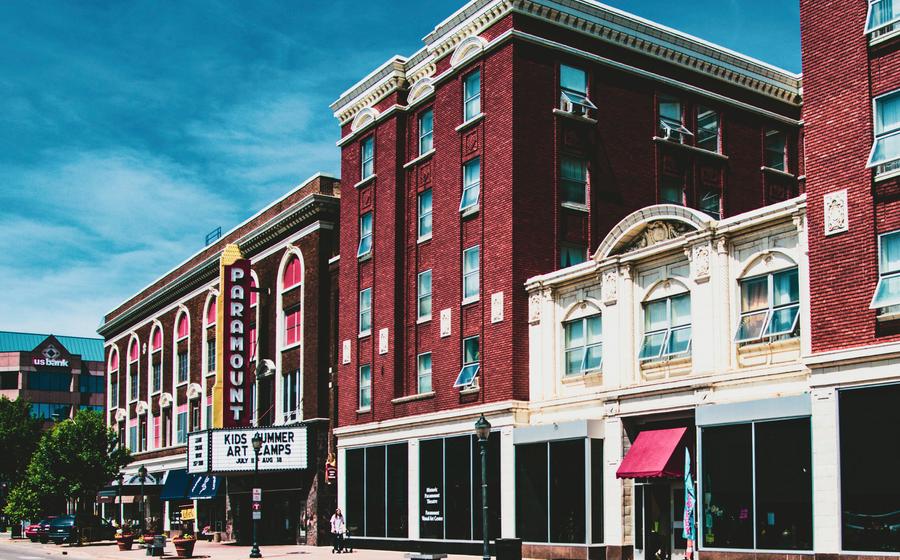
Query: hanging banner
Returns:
{"type": "Point", "coordinates": [231, 393]}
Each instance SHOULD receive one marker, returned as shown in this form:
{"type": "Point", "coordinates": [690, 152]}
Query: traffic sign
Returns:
{"type": "Point", "coordinates": [256, 506]}
{"type": "Point", "coordinates": [257, 494]}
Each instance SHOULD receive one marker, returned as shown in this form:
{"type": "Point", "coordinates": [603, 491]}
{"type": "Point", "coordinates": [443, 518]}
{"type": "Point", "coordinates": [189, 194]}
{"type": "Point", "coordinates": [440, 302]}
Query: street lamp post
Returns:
{"type": "Point", "coordinates": [119, 510]}
{"type": "Point", "coordinates": [142, 474]}
{"type": "Point", "coordinates": [257, 444]}
{"type": "Point", "coordinates": [483, 431]}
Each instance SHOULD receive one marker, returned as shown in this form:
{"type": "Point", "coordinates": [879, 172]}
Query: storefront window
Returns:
{"type": "Point", "coordinates": [376, 503]}
{"type": "Point", "coordinates": [355, 500]}
{"type": "Point", "coordinates": [567, 491]}
{"type": "Point", "coordinates": [870, 459]}
{"type": "Point", "coordinates": [775, 459]}
{"type": "Point", "coordinates": [431, 489]}
{"type": "Point", "coordinates": [375, 491]}
{"type": "Point", "coordinates": [457, 487]}
{"type": "Point", "coordinates": [397, 490]}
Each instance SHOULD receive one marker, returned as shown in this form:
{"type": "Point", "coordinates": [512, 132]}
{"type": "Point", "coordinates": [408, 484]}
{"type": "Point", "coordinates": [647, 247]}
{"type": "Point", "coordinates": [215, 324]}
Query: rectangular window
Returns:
{"type": "Point", "coordinates": [167, 427]}
{"type": "Point", "coordinates": [157, 377]}
{"type": "Point", "coordinates": [570, 255]}
{"type": "Point", "coordinates": [868, 418]}
{"type": "Point", "coordinates": [775, 150]}
{"type": "Point", "coordinates": [367, 156]}
{"type": "Point", "coordinates": [757, 485]}
{"type": "Point", "coordinates": [182, 367]}
{"type": "Point", "coordinates": [426, 131]}
{"type": "Point", "coordinates": [377, 489]}
{"type": "Point", "coordinates": [291, 393]}
{"type": "Point", "coordinates": [671, 189]}
{"type": "Point", "coordinates": [710, 202]}
{"type": "Point", "coordinates": [424, 295]}
{"type": "Point", "coordinates": [887, 291]}
{"type": "Point", "coordinates": [365, 311]}
{"type": "Point", "coordinates": [181, 428]}
{"type": "Point", "coordinates": [471, 276]}
{"type": "Point", "coordinates": [584, 345]}
{"type": "Point", "coordinates": [365, 387]}
{"type": "Point", "coordinates": [472, 95]}
{"type": "Point", "coordinates": [292, 326]}
{"type": "Point", "coordinates": [667, 328]}
{"type": "Point", "coordinates": [133, 438]}
{"type": "Point", "coordinates": [471, 184]}
{"type": "Point", "coordinates": [471, 363]}
{"type": "Point", "coordinates": [424, 373]}
{"type": "Point", "coordinates": [113, 394]}
{"type": "Point", "coordinates": [671, 120]}
{"type": "Point", "coordinates": [134, 382]}
{"type": "Point", "coordinates": [10, 380]}
{"type": "Point", "coordinates": [50, 411]}
{"type": "Point", "coordinates": [770, 306]}
{"type": "Point", "coordinates": [142, 428]}
{"type": "Point", "coordinates": [425, 215]}
{"type": "Point", "coordinates": [886, 148]}
{"type": "Point", "coordinates": [573, 181]}
{"type": "Point", "coordinates": [211, 356]}
{"type": "Point", "coordinates": [88, 383]}
{"type": "Point", "coordinates": [51, 381]}
{"type": "Point", "coordinates": [882, 13]}
{"type": "Point", "coordinates": [573, 89]}
{"type": "Point", "coordinates": [195, 415]}
{"type": "Point", "coordinates": [707, 129]}
{"type": "Point", "coordinates": [365, 235]}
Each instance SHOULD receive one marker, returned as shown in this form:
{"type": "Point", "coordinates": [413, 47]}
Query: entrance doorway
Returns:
{"type": "Point", "coordinates": [659, 520]}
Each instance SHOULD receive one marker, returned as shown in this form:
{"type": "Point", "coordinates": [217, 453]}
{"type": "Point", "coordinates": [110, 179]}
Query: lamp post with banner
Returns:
{"type": "Point", "coordinates": [257, 445]}
{"type": "Point", "coordinates": [483, 432]}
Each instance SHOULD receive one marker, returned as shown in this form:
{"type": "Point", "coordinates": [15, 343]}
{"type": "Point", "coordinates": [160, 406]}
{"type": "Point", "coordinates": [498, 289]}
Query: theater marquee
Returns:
{"type": "Point", "coordinates": [221, 451]}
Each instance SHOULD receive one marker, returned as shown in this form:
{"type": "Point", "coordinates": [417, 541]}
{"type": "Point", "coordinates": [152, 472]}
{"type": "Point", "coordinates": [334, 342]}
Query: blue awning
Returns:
{"type": "Point", "coordinates": [204, 487]}
{"type": "Point", "coordinates": [176, 485]}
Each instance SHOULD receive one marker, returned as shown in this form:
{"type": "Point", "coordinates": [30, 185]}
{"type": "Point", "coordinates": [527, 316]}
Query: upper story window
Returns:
{"type": "Point", "coordinates": [471, 184]}
{"type": "Point", "coordinates": [292, 324]}
{"type": "Point", "coordinates": [584, 345]}
{"type": "Point", "coordinates": [671, 189]}
{"type": "Point", "coordinates": [365, 236]}
{"type": "Point", "coordinates": [776, 154]}
{"type": "Point", "coordinates": [708, 127]}
{"type": "Point", "coordinates": [710, 201]}
{"type": "Point", "coordinates": [671, 119]}
{"type": "Point", "coordinates": [182, 367]}
{"type": "Point", "coordinates": [887, 292]}
{"type": "Point", "coordinates": [472, 95]}
{"type": "Point", "coordinates": [113, 392]}
{"type": "Point", "coordinates": [134, 350]}
{"type": "Point", "coordinates": [254, 291]}
{"type": "Point", "coordinates": [573, 87]}
{"type": "Point", "coordinates": [471, 360]}
{"type": "Point", "coordinates": [886, 148]}
{"type": "Point", "coordinates": [156, 340]}
{"type": "Point", "coordinates": [113, 360]}
{"type": "Point", "coordinates": [156, 374]}
{"type": "Point", "coordinates": [211, 312]}
{"type": "Point", "coordinates": [423, 372]}
{"type": "Point", "coordinates": [573, 180]}
{"type": "Point", "coordinates": [667, 328]}
{"type": "Point", "coordinates": [770, 306]}
{"type": "Point", "coordinates": [365, 311]}
{"type": "Point", "coordinates": [293, 273]}
{"type": "Point", "coordinates": [182, 326]}
{"type": "Point", "coordinates": [365, 387]}
{"type": "Point", "coordinates": [367, 156]}
{"type": "Point", "coordinates": [211, 356]}
{"type": "Point", "coordinates": [426, 131]}
{"type": "Point", "coordinates": [423, 296]}
{"type": "Point", "coordinates": [882, 13]}
{"type": "Point", "coordinates": [471, 269]}
{"type": "Point", "coordinates": [571, 254]}
{"type": "Point", "coordinates": [425, 215]}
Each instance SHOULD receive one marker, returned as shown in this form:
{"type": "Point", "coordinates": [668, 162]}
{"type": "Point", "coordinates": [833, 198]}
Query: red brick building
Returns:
{"type": "Point", "coordinates": [161, 361]}
{"type": "Point", "coordinates": [851, 87]}
{"type": "Point", "coordinates": [507, 147]}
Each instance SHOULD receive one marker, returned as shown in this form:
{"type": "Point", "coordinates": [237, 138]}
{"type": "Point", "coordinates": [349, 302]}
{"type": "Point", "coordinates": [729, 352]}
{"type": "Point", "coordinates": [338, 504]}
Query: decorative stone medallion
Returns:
{"type": "Point", "coordinates": [835, 207]}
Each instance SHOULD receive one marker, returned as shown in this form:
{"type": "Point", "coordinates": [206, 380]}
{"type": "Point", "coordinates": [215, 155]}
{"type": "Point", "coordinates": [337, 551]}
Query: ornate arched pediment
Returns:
{"type": "Point", "coordinates": [165, 400]}
{"type": "Point", "coordinates": [651, 226]}
{"type": "Point", "coordinates": [656, 232]}
{"type": "Point", "coordinates": [194, 391]}
{"type": "Point", "coordinates": [364, 117]}
{"type": "Point", "coordinates": [466, 49]}
{"type": "Point", "coordinates": [141, 407]}
{"type": "Point", "coordinates": [121, 415]}
{"type": "Point", "coordinates": [419, 90]}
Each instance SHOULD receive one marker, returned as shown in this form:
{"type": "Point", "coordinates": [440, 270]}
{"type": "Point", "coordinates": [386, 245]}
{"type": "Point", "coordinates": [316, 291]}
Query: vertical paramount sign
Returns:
{"type": "Point", "coordinates": [231, 393]}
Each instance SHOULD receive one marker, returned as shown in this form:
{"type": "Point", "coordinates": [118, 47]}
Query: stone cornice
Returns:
{"type": "Point", "coordinates": [310, 207]}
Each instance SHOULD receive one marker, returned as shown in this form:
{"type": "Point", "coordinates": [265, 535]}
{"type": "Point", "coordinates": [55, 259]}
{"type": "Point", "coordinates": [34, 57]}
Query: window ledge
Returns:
{"type": "Point", "coordinates": [181, 383]}
{"type": "Point", "coordinates": [365, 410]}
{"type": "Point", "coordinates": [575, 206]}
{"type": "Point", "coordinates": [470, 211]}
{"type": "Point", "coordinates": [779, 172]}
{"type": "Point", "coordinates": [887, 317]}
{"type": "Point", "coordinates": [470, 390]}
{"type": "Point", "coordinates": [874, 41]}
{"type": "Point", "coordinates": [411, 398]}
{"type": "Point", "coordinates": [364, 334]}
{"type": "Point", "coordinates": [476, 119]}
{"type": "Point", "coordinates": [364, 257]}
{"type": "Point", "coordinates": [766, 346]}
{"type": "Point", "coordinates": [887, 175]}
{"type": "Point", "coordinates": [291, 346]}
{"type": "Point", "coordinates": [574, 117]}
{"type": "Point", "coordinates": [421, 158]}
{"type": "Point", "coordinates": [470, 300]}
{"type": "Point", "coordinates": [688, 147]}
{"type": "Point", "coordinates": [424, 238]}
{"type": "Point", "coordinates": [423, 320]}
{"type": "Point", "coordinates": [590, 378]}
{"type": "Point", "coordinates": [365, 181]}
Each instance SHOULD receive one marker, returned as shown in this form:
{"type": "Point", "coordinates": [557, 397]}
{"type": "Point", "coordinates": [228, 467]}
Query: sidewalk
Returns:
{"type": "Point", "coordinates": [204, 549]}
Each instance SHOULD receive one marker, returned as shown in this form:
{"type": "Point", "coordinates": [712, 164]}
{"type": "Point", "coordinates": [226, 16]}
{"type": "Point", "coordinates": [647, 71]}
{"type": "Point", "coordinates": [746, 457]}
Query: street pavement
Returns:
{"type": "Point", "coordinates": [22, 549]}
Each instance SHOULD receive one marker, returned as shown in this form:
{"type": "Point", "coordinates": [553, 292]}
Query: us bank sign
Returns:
{"type": "Point", "coordinates": [231, 450]}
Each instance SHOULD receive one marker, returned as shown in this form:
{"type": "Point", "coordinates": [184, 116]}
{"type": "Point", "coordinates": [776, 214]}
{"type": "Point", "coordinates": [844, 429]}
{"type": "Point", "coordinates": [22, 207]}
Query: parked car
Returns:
{"type": "Point", "coordinates": [37, 532]}
{"type": "Point", "coordinates": [87, 527]}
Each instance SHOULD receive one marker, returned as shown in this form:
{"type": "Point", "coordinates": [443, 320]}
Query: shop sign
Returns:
{"type": "Point", "coordinates": [198, 452]}
{"type": "Point", "coordinates": [50, 357]}
{"type": "Point", "coordinates": [330, 472]}
{"type": "Point", "coordinates": [188, 514]}
{"type": "Point", "coordinates": [236, 369]}
{"type": "Point", "coordinates": [232, 450]}
{"type": "Point", "coordinates": [432, 511]}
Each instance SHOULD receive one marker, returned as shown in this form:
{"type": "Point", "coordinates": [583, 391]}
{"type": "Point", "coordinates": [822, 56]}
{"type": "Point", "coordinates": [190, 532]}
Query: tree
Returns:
{"type": "Point", "coordinates": [19, 436]}
{"type": "Point", "coordinates": [74, 461]}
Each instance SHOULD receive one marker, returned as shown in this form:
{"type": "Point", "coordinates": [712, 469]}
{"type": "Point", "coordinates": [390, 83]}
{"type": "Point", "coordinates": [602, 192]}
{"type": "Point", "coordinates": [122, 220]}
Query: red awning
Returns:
{"type": "Point", "coordinates": [653, 455]}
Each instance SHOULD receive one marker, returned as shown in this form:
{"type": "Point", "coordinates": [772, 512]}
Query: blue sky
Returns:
{"type": "Point", "coordinates": [129, 130]}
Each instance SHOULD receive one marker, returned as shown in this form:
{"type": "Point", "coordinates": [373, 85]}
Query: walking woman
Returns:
{"type": "Point", "coordinates": [338, 528]}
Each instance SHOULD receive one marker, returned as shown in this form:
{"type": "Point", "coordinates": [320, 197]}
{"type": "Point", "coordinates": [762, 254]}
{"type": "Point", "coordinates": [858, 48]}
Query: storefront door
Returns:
{"type": "Point", "coordinates": [658, 521]}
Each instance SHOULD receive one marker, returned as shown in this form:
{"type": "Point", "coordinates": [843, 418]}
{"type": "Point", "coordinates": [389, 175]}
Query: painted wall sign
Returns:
{"type": "Point", "coordinates": [232, 450]}
{"type": "Point", "coordinates": [236, 296]}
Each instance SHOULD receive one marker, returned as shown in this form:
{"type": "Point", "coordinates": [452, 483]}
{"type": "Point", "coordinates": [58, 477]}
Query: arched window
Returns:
{"type": "Point", "coordinates": [114, 378]}
{"type": "Point", "coordinates": [770, 300]}
{"type": "Point", "coordinates": [113, 360]}
{"type": "Point", "coordinates": [254, 295]}
{"type": "Point", "coordinates": [211, 312]}
{"type": "Point", "coordinates": [182, 328]}
{"type": "Point", "coordinates": [134, 350]}
{"type": "Point", "coordinates": [156, 339]}
{"type": "Point", "coordinates": [292, 324]}
{"type": "Point", "coordinates": [667, 327]}
{"type": "Point", "coordinates": [292, 273]}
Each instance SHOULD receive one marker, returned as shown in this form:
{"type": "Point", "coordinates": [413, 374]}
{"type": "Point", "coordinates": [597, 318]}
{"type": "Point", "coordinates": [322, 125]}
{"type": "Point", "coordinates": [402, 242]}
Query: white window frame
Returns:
{"type": "Point", "coordinates": [669, 127]}
{"type": "Point", "coordinates": [873, 28]}
{"type": "Point", "coordinates": [583, 182]}
{"type": "Point", "coordinates": [365, 389]}
{"type": "Point", "coordinates": [365, 312]}
{"type": "Point", "coordinates": [471, 98]}
{"type": "Point", "coordinates": [187, 368]}
{"type": "Point", "coordinates": [584, 348]}
{"type": "Point", "coordinates": [770, 310]}
{"type": "Point", "coordinates": [667, 331]}
{"type": "Point", "coordinates": [471, 367]}
{"type": "Point", "coordinates": [884, 134]}
{"type": "Point", "coordinates": [426, 136]}
{"type": "Point", "coordinates": [114, 389]}
{"type": "Point", "coordinates": [476, 273]}
{"type": "Point", "coordinates": [884, 275]}
{"type": "Point", "coordinates": [422, 213]}
{"type": "Point", "coordinates": [701, 109]}
{"type": "Point", "coordinates": [181, 428]}
{"type": "Point", "coordinates": [367, 160]}
{"type": "Point", "coordinates": [153, 367]}
{"type": "Point", "coordinates": [572, 100]}
{"type": "Point", "coordinates": [422, 373]}
{"type": "Point", "coordinates": [421, 296]}
{"type": "Point", "coordinates": [366, 234]}
{"type": "Point", "coordinates": [291, 385]}
{"type": "Point", "coordinates": [472, 186]}
{"type": "Point", "coordinates": [784, 159]}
